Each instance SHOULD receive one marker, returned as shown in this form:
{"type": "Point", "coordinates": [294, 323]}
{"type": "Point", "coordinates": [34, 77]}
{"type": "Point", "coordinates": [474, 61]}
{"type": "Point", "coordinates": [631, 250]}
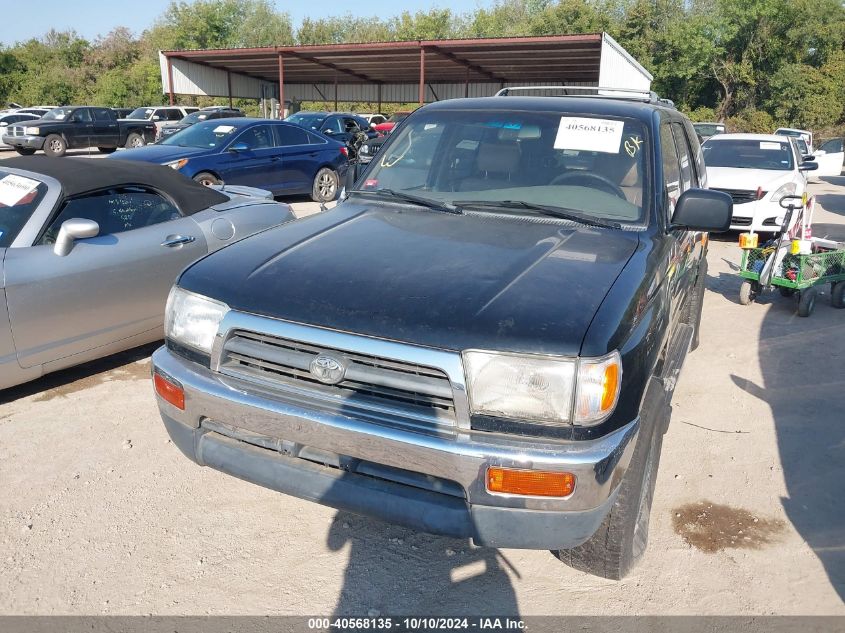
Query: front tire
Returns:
{"type": "Point", "coordinates": [748, 292]}
{"type": "Point", "coordinates": [621, 539]}
{"type": "Point", "coordinates": [107, 150]}
{"type": "Point", "coordinates": [204, 178]}
{"type": "Point", "coordinates": [807, 303]}
{"type": "Point", "coordinates": [325, 186]}
{"type": "Point", "coordinates": [837, 295]}
{"type": "Point", "coordinates": [55, 146]}
{"type": "Point", "coordinates": [25, 151]}
{"type": "Point", "coordinates": [135, 140]}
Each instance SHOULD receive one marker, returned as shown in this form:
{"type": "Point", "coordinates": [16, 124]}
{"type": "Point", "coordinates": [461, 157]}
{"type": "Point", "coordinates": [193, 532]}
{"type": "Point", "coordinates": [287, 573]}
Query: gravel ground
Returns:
{"type": "Point", "coordinates": [101, 514]}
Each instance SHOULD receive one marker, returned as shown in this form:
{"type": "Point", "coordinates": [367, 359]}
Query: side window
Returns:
{"type": "Point", "coordinates": [290, 135]}
{"type": "Point", "coordinates": [832, 146]}
{"type": "Point", "coordinates": [334, 124]}
{"type": "Point", "coordinates": [101, 114]}
{"type": "Point", "coordinates": [313, 139]}
{"type": "Point", "coordinates": [688, 180]}
{"type": "Point", "coordinates": [350, 125]}
{"type": "Point", "coordinates": [82, 115]}
{"type": "Point", "coordinates": [671, 167]}
{"type": "Point", "coordinates": [116, 211]}
{"type": "Point", "coordinates": [174, 115]}
{"type": "Point", "coordinates": [258, 137]}
{"type": "Point", "coordinates": [161, 114]}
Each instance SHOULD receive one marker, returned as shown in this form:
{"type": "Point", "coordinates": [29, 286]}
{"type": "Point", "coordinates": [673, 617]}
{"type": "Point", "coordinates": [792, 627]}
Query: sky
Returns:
{"type": "Point", "coordinates": [21, 20]}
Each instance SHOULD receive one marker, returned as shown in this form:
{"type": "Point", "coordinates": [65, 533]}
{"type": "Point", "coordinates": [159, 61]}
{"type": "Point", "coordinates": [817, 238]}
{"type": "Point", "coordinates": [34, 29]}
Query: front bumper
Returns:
{"type": "Point", "coordinates": [759, 216]}
{"type": "Point", "coordinates": [427, 482]}
{"type": "Point", "coordinates": [24, 142]}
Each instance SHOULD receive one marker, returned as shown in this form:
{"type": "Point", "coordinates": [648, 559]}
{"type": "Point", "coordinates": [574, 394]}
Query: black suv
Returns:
{"type": "Point", "coordinates": [481, 340]}
{"type": "Point", "coordinates": [205, 114]}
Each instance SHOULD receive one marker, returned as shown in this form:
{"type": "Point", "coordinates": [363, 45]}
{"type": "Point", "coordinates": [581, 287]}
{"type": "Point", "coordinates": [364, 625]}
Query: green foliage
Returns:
{"type": "Point", "coordinates": [751, 63]}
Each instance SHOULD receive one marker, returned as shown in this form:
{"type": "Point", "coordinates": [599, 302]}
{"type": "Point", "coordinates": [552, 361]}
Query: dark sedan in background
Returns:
{"type": "Point", "coordinates": [280, 157]}
{"type": "Point", "coordinates": [342, 126]}
{"type": "Point", "coordinates": [206, 114]}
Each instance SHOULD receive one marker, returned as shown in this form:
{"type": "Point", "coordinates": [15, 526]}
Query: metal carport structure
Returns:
{"type": "Point", "coordinates": [400, 72]}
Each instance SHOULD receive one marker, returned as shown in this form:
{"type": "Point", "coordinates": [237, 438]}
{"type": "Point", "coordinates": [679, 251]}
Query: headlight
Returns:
{"type": "Point", "coordinates": [784, 190]}
{"type": "Point", "coordinates": [33, 131]}
{"type": "Point", "coordinates": [177, 164]}
{"type": "Point", "coordinates": [541, 389]}
{"type": "Point", "coordinates": [192, 320]}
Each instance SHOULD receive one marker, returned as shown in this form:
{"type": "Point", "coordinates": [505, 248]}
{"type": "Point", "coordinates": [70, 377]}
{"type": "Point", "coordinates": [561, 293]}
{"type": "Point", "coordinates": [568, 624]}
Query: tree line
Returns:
{"type": "Point", "coordinates": [755, 64]}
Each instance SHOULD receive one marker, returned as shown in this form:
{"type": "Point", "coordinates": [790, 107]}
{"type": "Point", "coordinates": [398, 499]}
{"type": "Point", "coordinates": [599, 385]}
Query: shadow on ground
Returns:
{"type": "Point", "coordinates": [397, 571]}
{"type": "Point", "coordinates": [804, 383]}
{"type": "Point", "coordinates": [83, 376]}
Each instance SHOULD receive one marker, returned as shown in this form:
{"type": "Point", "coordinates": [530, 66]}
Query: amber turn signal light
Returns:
{"type": "Point", "coordinates": [532, 483]}
{"type": "Point", "coordinates": [170, 391]}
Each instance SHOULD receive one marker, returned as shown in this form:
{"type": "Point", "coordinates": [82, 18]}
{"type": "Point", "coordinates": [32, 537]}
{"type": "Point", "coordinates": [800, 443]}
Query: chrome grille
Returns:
{"type": "Point", "coordinates": [741, 221]}
{"type": "Point", "coordinates": [741, 196]}
{"type": "Point", "coordinates": [17, 130]}
{"type": "Point", "coordinates": [397, 388]}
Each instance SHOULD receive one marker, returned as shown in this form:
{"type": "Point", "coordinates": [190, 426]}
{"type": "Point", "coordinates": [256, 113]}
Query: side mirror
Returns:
{"type": "Point", "coordinates": [72, 230]}
{"type": "Point", "coordinates": [329, 132]}
{"type": "Point", "coordinates": [4, 123]}
{"type": "Point", "coordinates": [238, 147]}
{"type": "Point", "coordinates": [808, 158]}
{"type": "Point", "coordinates": [703, 210]}
{"type": "Point", "coordinates": [808, 166]}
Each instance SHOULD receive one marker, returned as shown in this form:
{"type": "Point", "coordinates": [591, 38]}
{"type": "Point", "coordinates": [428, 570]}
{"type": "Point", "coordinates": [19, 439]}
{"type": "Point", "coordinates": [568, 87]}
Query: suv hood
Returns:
{"type": "Point", "coordinates": [747, 179]}
{"type": "Point", "coordinates": [425, 277]}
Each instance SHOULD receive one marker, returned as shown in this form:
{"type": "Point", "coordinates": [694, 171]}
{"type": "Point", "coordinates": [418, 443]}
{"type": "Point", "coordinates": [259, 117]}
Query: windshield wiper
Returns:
{"type": "Point", "coordinates": [407, 197]}
{"type": "Point", "coordinates": [545, 209]}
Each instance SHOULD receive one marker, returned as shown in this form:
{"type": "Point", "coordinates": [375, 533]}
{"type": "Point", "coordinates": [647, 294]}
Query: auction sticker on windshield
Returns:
{"type": "Point", "coordinates": [224, 129]}
{"type": "Point", "coordinates": [592, 135]}
{"type": "Point", "coordinates": [13, 189]}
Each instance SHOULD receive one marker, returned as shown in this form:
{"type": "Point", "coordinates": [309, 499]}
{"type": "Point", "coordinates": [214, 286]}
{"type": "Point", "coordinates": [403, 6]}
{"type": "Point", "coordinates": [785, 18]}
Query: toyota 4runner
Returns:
{"type": "Point", "coordinates": [481, 340]}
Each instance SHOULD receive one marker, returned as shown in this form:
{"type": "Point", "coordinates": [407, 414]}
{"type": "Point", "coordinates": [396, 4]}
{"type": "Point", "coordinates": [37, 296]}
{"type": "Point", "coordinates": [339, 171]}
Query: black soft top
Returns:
{"type": "Point", "coordinates": [85, 175]}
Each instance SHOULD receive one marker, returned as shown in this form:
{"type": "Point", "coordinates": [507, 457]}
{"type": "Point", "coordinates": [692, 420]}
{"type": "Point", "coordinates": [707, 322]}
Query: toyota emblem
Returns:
{"type": "Point", "coordinates": [328, 368]}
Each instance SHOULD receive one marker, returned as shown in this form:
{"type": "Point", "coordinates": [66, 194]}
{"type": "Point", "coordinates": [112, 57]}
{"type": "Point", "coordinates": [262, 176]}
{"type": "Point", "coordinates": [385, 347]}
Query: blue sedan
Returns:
{"type": "Point", "coordinates": [280, 157]}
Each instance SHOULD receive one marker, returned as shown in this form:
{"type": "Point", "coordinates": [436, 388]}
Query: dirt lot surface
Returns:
{"type": "Point", "coordinates": [100, 513]}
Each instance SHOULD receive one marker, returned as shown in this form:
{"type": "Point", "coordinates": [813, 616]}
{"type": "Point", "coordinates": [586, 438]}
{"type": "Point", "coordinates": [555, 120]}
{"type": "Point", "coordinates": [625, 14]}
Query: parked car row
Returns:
{"type": "Point", "coordinates": [278, 156]}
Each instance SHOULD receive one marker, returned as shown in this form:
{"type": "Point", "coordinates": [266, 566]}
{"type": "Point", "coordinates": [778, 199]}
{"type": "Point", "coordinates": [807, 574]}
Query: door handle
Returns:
{"type": "Point", "coordinates": [177, 240]}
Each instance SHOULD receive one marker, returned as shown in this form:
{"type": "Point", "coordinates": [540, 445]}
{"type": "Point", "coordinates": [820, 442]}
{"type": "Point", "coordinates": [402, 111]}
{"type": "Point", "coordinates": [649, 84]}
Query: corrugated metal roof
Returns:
{"type": "Point", "coordinates": [569, 59]}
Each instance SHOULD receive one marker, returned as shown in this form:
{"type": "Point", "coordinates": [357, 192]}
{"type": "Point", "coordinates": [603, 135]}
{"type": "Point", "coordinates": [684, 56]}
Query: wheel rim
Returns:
{"type": "Point", "coordinates": [56, 145]}
{"type": "Point", "coordinates": [206, 181]}
{"type": "Point", "coordinates": [326, 185]}
{"type": "Point", "coordinates": [137, 142]}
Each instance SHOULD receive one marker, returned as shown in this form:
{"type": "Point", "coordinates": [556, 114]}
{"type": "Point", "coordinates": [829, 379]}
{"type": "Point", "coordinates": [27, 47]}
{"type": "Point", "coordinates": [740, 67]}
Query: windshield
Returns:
{"type": "Point", "coordinates": [19, 197]}
{"type": "Point", "coordinates": [195, 117]}
{"type": "Point", "coordinates": [748, 154]}
{"type": "Point", "coordinates": [708, 129]}
{"type": "Point", "coordinates": [141, 113]}
{"type": "Point", "coordinates": [503, 162]}
{"type": "Point", "coordinates": [312, 121]}
{"type": "Point", "coordinates": [207, 135]}
{"type": "Point", "coordinates": [58, 114]}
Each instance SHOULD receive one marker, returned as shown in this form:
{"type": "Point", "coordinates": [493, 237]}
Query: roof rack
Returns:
{"type": "Point", "coordinates": [632, 94]}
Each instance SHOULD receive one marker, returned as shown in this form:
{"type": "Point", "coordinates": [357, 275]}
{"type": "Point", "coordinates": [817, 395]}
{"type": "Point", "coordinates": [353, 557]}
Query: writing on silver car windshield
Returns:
{"type": "Point", "coordinates": [519, 163]}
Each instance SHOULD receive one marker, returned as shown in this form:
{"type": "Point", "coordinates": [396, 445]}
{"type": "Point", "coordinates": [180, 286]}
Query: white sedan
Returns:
{"type": "Point", "coordinates": [757, 170]}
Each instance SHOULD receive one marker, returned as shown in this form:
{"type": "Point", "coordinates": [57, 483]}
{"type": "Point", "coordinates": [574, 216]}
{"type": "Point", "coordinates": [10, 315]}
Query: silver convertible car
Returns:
{"type": "Point", "coordinates": [89, 250]}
